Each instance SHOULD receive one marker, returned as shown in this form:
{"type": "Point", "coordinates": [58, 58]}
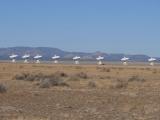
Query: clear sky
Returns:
{"type": "Point", "coordinates": [112, 26]}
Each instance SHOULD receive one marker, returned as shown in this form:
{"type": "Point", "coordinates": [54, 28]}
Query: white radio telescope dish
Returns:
{"type": "Point", "coordinates": [26, 57]}
{"type": "Point", "coordinates": [99, 59]}
{"type": "Point", "coordinates": [13, 57]}
{"type": "Point", "coordinates": [151, 61]}
{"type": "Point", "coordinates": [125, 60]}
{"type": "Point", "coordinates": [76, 59]}
{"type": "Point", "coordinates": [55, 58]}
{"type": "Point", "coordinates": [37, 58]}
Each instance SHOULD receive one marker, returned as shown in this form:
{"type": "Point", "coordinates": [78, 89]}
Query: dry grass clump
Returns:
{"type": "Point", "coordinates": [28, 76]}
{"type": "Point", "coordinates": [92, 84]}
{"type": "Point", "coordinates": [103, 69]}
{"type": "Point", "coordinates": [81, 75]}
{"type": "Point", "coordinates": [38, 76]}
{"type": "Point", "coordinates": [120, 84]}
{"type": "Point", "coordinates": [155, 71]}
{"type": "Point", "coordinates": [3, 88]}
{"type": "Point", "coordinates": [136, 78]}
{"type": "Point", "coordinates": [60, 74]}
{"type": "Point", "coordinates": [52, 81]}
{"type": "Point", "coordinates": [45, 81]}
{"type": "Point", "coordinates": [73, 78]}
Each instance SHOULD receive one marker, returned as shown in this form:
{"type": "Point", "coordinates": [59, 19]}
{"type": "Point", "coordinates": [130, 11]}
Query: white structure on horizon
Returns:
{"type": "Point", "coordinates": [125, 60]}
{"type": "Point", "coordinates": [55, 58]}
{"type": "Point", "coordinates": [26, 57]}
{"type": "Point", "coordinates": [13, 57]}
{"type": "Point", "coordinates": [37, 58]}
{"type": "Point", "coordinates": [152, 60]}
{"type": "Point", "coordinates": [99, 59]}
{"type": "Point", "coordinates": [76, 59]}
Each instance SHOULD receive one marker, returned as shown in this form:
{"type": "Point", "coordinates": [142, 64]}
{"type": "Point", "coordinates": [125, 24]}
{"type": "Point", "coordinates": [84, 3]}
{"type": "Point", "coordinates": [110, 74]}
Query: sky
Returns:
{"type": "Point", "coordinates": [111, 26]}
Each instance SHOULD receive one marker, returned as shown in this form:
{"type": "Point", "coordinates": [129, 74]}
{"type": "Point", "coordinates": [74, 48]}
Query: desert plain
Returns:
{"type": "Point", "coordinates": [79, 92]}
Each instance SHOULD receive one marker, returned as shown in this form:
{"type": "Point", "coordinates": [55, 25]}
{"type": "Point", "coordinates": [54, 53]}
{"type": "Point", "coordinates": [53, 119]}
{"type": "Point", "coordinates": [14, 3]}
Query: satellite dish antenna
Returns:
{"type": "Point", "coordinates": [152, 60]}
{"type": "Point", "coordinates": [37, 58]}
{"type": "Point", "coordinates": [125, 60]}
{"type": "Point", "coordinates": [99, 59]}
{"type": "Point", "coordinates": [55, 58]}
{"type": "Point", "coordinates": [26, 57]}
{"type": "Point", "coordinates": [13, 57]}
{"type": "Point", "coordinates": [76, 59]}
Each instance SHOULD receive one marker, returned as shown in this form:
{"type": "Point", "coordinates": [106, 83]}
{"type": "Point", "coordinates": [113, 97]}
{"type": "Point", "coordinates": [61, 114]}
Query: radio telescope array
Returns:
{"type": "Point", "coordinates": [76, 59]}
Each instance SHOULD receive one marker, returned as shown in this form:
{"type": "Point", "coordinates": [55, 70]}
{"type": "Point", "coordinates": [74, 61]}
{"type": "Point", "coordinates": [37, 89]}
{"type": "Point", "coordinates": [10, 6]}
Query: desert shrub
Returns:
{"type": "Point", "coordinates": [3, 88]}
{"type": "Point", "coordinates": [154, 71]}
{"type": "Point", "coordinates": [120, 68]}
{"type": "Point", "coordinates": [52, 81]}
{"type": "Point", "coordinates": [78, 67]}
{"type": "Point", "coordinates": [104, 77]}
{"type": "Point", "coordinates": [136, 78]}
{"type": "Point", "coordinates": [21, 66]}
{"type": "Point", "coordinates": [3, 68]}
{"type": "Point", "coordinates": [92, 84]}
{"type": "Point", "coordinates": [25, 76]}
{"type": "Point", "coordinates": [37, 76]}
{"type": "Point", "coordinates": [120, 84]}
{"type": "Point", "coordinates": [60, 74]}
{"type": "Point", "coordinates": [82, 75]}
{"type": "Point", "coordinates": [148, 69]}
{"type": "Point", "coordinates": [73, 78]}
{"type": "Point", "coordinates": [45, 81]}
{"type": "Point", "coordinates": [103, 69]}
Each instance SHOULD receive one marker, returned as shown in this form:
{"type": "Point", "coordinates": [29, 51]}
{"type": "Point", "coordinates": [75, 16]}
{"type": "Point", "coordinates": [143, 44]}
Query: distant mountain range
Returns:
{"type": "Point", "coordinates": [48, 52]}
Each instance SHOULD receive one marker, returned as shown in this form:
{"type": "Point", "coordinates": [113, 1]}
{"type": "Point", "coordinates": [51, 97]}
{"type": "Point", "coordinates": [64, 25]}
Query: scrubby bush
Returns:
{"type": "Point", "coordinates": [52, 81]}
{"type": "Point", "coordinates": [103, 69]}
{"type": "Point", "coordinates": [136, 78]}
{"type": "Point", "coordinates": [73, 78]}
{"type": "Point", "coordinates": [38, 76]}
{"type": "Point", "coordinates": [120, 84]}
{"type": "Point", "coordinates": [92, 84]}
{"type": "Point", "coordinates": [45, 81]}
{"type": "Point", "coordinates": [154, 71]}
{"type": "Point", "coordinates": [82, 75]}
{"type": "Point", "coordinates": [60, 74]}
{"type": "Point", "coordinates": [25, 76]}
{"type": "Point", "coordinates": [3, 88]}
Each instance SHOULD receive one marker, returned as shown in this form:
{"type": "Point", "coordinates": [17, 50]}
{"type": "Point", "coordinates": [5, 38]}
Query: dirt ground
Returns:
{"type": "Point", "coordinates": [107, 92]}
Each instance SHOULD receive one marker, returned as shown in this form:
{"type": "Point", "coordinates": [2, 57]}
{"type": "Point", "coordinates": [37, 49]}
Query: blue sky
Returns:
{"type": "Point", "coordinates": [112, 26]}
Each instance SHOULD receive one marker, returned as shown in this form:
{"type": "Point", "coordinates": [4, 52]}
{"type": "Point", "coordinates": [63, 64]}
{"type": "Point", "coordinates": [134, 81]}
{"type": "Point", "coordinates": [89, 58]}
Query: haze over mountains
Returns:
{"type": "Point", "coordinates": [48, 52]}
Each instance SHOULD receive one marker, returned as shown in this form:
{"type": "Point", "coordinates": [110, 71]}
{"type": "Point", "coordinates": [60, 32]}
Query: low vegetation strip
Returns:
{"type": "Point", "coordinates": [45, 81]}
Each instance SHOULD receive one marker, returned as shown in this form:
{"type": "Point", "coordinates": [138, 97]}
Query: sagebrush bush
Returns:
{"type": "Point", "coordinates": [82, 75]}
{"type": "Point", "coordinates": [52, 81]}
{"type": "Point", "coordinates": [120, 84]}
{"type": "Point", "coordinates": [38, 76]}
{"type": "Point", "coordinates": [92, 84]}
{"type": "Point", "coordinates": [45, 81]}
{"type": "Point", "coordinates": [3, 88]}
{"type": "Point", "coordinates": [136, 78]}
{"type": "Point", "coordinates": [104, 69]}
